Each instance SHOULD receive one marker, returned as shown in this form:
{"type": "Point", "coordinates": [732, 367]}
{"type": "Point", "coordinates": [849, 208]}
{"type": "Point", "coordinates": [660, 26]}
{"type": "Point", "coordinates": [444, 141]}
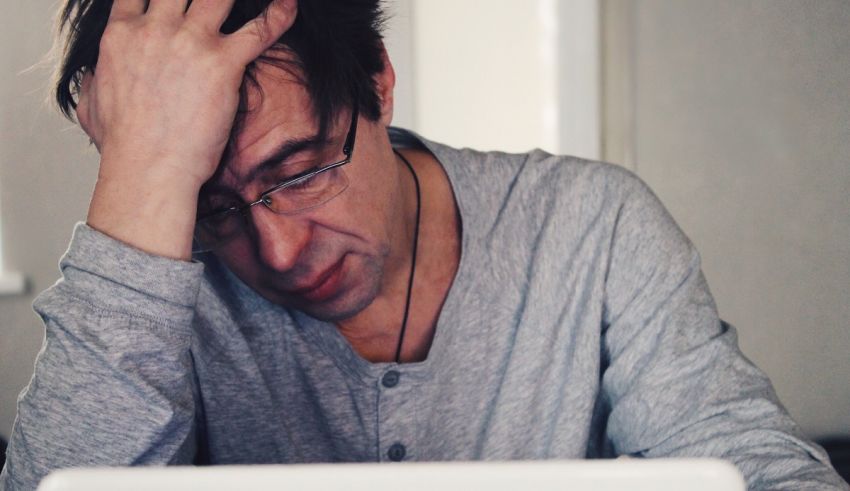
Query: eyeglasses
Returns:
{"type": "Point", "coordinates": [303, 191]}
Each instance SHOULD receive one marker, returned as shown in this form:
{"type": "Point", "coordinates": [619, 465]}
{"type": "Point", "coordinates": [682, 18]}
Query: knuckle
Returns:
{"type": "Point", "coordinates": [114, 32]}
{"type": "Point", "coordinates": [116, 37]}
{"type": "Point", "coordinates": [107, 41]}
{"type": "Point", "coordinates": [152, 32]}
{"type": "Point", "coordinates": [186, 42]}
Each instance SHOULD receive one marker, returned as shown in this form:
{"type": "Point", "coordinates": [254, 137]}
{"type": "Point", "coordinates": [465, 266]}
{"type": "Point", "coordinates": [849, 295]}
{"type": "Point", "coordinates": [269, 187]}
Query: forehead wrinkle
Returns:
{"type": "Point", "coordinates": [281, 151]}
{"type": "Point", "coordinates": [276, 92]}
{"type": "Point", "coordinates": [275, 97]}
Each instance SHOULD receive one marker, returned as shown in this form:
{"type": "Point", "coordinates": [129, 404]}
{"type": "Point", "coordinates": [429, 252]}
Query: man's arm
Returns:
{"type": "Point", "coordinates": [676, 381]}
{"type": "Point", "coordinates": [113, 383]}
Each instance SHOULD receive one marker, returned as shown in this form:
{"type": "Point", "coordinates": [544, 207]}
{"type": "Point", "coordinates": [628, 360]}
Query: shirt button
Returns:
{"type": "Point", "coordinates": [396, 452]}
{"type": "Point", "coordinates": [390, 379]}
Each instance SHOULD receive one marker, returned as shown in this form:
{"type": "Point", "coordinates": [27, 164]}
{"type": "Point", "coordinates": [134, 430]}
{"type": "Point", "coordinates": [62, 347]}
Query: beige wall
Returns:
{"type": "Point", "coordinates": [741, 124]}
{"type": "Point", "coordinates": [511, 75]}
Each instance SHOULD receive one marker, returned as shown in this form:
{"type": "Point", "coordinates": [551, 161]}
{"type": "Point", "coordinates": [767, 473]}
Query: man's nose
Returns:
{"type": "Point", "coordinates": [281, 239]}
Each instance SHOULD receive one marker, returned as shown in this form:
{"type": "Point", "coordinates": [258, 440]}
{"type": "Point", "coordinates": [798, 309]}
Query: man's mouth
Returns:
{"type": "Point", "coordinates": [323, 287]}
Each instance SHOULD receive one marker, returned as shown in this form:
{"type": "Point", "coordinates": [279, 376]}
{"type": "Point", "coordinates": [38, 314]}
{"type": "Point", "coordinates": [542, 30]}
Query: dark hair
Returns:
{"type": "Point", "coordinates": [336, 43]}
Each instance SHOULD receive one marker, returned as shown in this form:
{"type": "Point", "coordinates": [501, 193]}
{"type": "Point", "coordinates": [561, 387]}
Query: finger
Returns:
{"type": "Point", "coordinates": [249, 42]}
{"type": "Point", "coordinates": [122, 9]}
{"type": "Point", "coordinates": [210, 14]}
{"type": "Point", "coordinates": [170, 8]}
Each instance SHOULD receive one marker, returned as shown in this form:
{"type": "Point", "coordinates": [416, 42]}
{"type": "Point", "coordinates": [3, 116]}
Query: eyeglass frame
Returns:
{"type": "Point", "coordinates": [347, 150]}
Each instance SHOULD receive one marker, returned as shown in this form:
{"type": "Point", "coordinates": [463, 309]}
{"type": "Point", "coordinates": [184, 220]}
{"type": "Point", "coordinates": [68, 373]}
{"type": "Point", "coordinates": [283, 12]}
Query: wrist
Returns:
{"type": "Point", "coordinates": [171, 170]}
{"type": "Point", "coordinates": [151, 208]}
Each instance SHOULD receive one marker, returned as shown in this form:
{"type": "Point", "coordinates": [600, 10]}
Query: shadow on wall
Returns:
{"type": "Point", "coordinates": [839, 453]}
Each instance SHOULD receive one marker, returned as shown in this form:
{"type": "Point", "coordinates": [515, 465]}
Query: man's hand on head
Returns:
{"type": "Point", "coordinates": [160, 106]}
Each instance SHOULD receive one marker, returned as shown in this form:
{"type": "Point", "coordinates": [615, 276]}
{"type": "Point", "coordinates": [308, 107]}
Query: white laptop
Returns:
{"type": "Point", "coordinates": [573, 475]}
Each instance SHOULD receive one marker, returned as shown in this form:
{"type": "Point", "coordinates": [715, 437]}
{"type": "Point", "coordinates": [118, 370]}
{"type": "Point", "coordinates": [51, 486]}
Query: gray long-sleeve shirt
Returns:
{"type": "Point", "coordinates": [579, 325]}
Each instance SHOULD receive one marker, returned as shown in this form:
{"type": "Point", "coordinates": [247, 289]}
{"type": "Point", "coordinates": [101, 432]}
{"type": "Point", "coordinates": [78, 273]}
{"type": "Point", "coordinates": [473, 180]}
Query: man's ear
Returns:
{"type": "Point", "coordinates": [83, 110]}
{"type": "Point", "coordinates": [384, 86]}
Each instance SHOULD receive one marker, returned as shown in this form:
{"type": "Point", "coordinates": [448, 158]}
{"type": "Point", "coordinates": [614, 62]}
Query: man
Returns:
{"type": "Point", "coordinates": [358, 293]}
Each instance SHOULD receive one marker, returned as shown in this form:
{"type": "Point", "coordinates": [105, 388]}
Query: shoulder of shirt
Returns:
{"type": "Point", "coordinates": [537, 171]}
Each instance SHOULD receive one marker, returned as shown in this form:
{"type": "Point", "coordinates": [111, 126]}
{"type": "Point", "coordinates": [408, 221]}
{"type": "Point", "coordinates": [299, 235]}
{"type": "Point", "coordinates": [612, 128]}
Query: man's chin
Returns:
{"type": "Point", "coordinates": [354, 290]}
{"type": "Point", "coordinates": [336, 309]}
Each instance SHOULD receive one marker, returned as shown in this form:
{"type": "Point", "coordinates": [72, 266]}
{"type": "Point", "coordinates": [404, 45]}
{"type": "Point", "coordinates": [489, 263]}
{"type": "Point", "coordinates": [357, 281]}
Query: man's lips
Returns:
{"type": "Point", "coordinates": [323, 286]}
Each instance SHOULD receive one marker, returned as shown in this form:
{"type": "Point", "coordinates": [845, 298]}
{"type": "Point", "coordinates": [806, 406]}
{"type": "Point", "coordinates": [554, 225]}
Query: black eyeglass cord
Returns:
{"type": "Point", "coordinates": [412, 259]}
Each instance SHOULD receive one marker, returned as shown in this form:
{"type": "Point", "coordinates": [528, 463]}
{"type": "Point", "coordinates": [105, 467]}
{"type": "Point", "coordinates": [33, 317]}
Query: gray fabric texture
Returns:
{"type": "Point", "coordinates": [579, 325]}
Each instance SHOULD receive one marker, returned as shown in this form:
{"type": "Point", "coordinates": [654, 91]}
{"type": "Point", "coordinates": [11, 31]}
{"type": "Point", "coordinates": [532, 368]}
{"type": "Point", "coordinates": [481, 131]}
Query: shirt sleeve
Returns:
{"type": "Point", "coordinates": [676, 382]}
{"type": "Point", "coordinates": [114, 381]}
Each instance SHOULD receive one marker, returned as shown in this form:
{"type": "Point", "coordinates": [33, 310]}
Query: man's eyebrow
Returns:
{"type": "Point", "coordinates": [283, 152]}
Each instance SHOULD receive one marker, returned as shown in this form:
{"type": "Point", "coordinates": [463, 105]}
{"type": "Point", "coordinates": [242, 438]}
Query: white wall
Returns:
{"type": "Point", "coordinates": [398, 39]}
{"type": "Point", "coordinates": [507, 74]}
{"type": "Point", "coordinates": [741, 124]}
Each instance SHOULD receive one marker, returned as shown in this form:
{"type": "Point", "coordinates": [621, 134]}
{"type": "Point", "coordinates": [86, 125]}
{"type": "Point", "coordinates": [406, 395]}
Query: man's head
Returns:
{"type": "Point", "coordinates": [333, 260]}
{"type": "Point", "coordinates": [334, 47]}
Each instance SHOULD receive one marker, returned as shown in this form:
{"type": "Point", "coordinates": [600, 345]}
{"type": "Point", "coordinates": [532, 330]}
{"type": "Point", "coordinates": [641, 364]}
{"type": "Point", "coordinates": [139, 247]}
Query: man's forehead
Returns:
{"type": "Point", "coordinates": [278, 110]}
{"type": "Point", "coordinates": [278, 106]}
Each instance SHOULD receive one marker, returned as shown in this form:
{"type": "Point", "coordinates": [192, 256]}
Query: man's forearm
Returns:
{"type": "Point", "coordinates": [113, 384]}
